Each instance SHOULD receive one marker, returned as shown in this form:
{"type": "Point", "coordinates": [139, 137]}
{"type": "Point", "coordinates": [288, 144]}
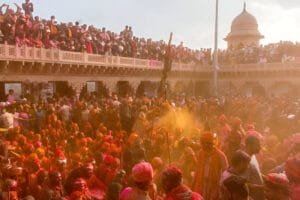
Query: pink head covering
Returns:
{"type": "Point", "coordinates": [142, 172]}
{"type": "Point", "coordinates": [295, 192]}
{"type": "Point", "coordinates": [295, 138]}
{"type": "Point", "coordinates": [222, 119]}
{"type": "Point", "coordinates": [255, 134]}
{"type": "Point", "coordinates": [250, 127]}
{"type": "Point", "coordinates": [157, 162]}
{"type": "Point", "coordinates": [279, 180]}
{"type": "Point", "coordinates": [292, 167]}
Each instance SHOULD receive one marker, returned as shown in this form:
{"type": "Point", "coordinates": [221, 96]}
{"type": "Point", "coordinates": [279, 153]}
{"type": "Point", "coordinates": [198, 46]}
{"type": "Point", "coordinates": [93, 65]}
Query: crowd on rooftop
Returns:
{"type": "Point", "coordinates": [283, 51]}
{"type": "Point", "coordinates": [127, 148]}
{"type": "Point", "coordinates": [20, 27]}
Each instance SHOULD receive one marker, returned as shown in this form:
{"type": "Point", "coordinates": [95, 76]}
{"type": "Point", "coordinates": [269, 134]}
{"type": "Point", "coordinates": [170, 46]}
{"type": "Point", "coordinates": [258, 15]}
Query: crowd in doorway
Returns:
{"type": "Point", "coordinates": [113, 147]}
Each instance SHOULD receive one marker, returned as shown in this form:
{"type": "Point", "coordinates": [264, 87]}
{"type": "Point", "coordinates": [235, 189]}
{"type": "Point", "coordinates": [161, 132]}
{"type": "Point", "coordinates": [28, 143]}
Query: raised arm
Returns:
{"type": "Point", "coordinates": [19, 9]}
{"type": "Point", "coordinates": [1, 9]}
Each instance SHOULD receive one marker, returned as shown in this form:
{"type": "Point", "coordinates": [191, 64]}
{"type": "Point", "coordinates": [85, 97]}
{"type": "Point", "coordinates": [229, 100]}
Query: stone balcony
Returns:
{"type": "Point", "coordinates": [10, 53]}
{"type": "Point", "coordinates": [27, 64]}
{"type": "Point", "coordinates": [56, 56]}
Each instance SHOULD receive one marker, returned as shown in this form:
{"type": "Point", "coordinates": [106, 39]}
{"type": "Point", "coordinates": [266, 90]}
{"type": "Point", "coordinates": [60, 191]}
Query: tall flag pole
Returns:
{"type": "Point", "coordinates": [215, 56]}
{"type": "Point", "coordinates": [162, 90]}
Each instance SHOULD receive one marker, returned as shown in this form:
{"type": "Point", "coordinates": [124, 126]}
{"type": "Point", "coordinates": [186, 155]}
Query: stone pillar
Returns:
{"type": "Point", "coordinates": [77, 87]}
{"type": "Point", "coordinates": [111, 86]}
{"type": "Point", "coordinates": [171, 85]}
{"type": "Point", "coordinates": [134, 85]}
{"type": "Point", "coordinates": [5, 68]}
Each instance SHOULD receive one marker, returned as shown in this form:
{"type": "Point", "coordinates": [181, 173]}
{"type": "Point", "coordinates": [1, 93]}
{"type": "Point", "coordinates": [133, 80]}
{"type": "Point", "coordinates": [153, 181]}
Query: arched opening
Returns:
{"type": "Point", "coordinates": [62, 88]}
{"type": "Point", "coordinates": [253, 89]}
{"type": "Point", "coordinates": [102, 90]}
{"type": "Point", "coordinates": [148, 88]}
{"type": "Point", "coordinates": [202, 88]}
{"type": "Point", "coordinates": [2, 92]}
{"type": "Point", "coordinates": [258, 90]}
{"type": "Point", "coordinates": [282, 88]}
{"type": "Point", "coordinates": [179, 87]}
{"type": "Point", "coordinates": [124, 88]}
{"type": "Point", "coordinates": [190, 89]}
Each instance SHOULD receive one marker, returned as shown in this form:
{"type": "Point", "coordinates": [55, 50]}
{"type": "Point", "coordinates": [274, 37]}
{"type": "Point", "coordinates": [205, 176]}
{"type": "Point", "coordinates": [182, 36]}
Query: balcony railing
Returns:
{"type": "Point", "coordinates": [24, 53]}
{"type": "Point", "coordinates": [32, 54]}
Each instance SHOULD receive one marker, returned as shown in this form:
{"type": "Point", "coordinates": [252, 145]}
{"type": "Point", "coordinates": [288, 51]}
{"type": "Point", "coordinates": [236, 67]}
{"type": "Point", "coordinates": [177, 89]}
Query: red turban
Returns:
{"type": "Point", "coordinates": [293, 168]}
{"type": "Point", "coordinates": [142, 172]}
{"type": "Point", "coordinates": [295, 138]}
{"type": "Point", "coordinates": [223, 119]}
{"type": "Point", "coordinates": [157, 162]}
{"type": "Point", "coordinates": [207, 137]}
{"type": "Point", "coordinates": [250, 127]}
{"type": "Point", "coordinates": [59, 154]}
{"type": "Point", "coordinates": [173, 174]}
{"type": "Point", "coordinates": [236, 122]}
{"type": "Point", "coordinates": [108, 160]}
{"type": "Point", "coordinates": [277, 180]}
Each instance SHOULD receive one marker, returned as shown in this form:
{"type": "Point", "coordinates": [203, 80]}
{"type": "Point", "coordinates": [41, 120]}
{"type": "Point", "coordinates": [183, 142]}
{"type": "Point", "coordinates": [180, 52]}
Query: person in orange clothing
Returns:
{"type": "Point", "coordinates": [211, 163]}
{"type": "Point", "coordinates": [79, 190]}
{"type": "Point", "coordinates": [223, 129]}
{"type": "Point", "coordinates": [96, 187]}
{"type": "Point", "coordinates": [175, 190]}
{"type": "Point", "coordinates": [234, 139]}
{"type": "Point", "coordinates": [54, 188]}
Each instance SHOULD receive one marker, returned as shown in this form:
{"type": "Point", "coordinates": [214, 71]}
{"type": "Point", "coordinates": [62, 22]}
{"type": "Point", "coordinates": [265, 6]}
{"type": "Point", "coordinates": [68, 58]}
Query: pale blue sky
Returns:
{"type": "Point", "coordinates": [191, 21]}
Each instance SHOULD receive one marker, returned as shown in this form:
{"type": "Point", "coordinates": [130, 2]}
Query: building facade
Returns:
{"type": "Point", "coordinates": [244, 31]}
{"type": "Point", "coordinates": [38, 72]}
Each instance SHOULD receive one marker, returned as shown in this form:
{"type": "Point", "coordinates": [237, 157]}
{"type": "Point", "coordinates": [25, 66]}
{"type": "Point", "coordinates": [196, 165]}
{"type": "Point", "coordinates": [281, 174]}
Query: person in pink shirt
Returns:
{"type": "Point", "coordinates": [104, 35]}
{"type": "Point", "coordinates": [11, 97]}
{"type": "Point", "coordinates": [21, 40]}
{"type": "Point", "coordinates": [88, 44]}
{"type": "Point", "coordinates": [37, 41]}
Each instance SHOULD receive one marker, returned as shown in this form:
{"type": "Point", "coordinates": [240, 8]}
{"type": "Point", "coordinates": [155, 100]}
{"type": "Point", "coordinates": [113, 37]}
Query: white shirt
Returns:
{"type": "Point", "coordinates": [65, 113]}
{"type": "Point", "coordinates": [7, 120]}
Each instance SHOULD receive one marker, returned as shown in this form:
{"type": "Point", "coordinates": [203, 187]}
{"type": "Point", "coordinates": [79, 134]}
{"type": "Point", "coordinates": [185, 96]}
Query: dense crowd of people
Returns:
{"type": "Point", "coordinates": [19, 27]}
{"type": "Point", "coordinates": [146, 148]}
{"type": "Point", "coordinates": [271, 53]}
{"type": "Point", "coordinates": [90, 147]}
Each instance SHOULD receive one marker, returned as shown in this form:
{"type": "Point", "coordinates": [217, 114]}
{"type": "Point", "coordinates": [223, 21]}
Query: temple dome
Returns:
{"type": "Point", "coordinates": [244, 25]}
